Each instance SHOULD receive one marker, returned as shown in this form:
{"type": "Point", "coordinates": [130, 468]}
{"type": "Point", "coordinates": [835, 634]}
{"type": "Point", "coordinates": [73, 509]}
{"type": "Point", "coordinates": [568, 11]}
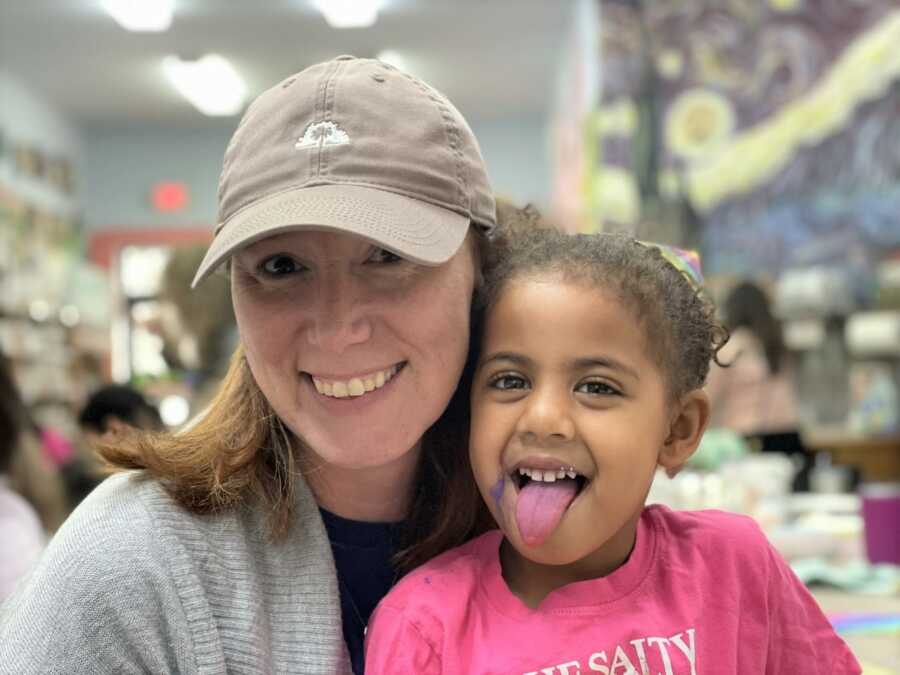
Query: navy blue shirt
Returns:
{"type": "Point", "coordinates": [362, 555]}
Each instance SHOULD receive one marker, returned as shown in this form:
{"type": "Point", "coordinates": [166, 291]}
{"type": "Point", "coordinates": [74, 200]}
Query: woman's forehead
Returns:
{"type": "Point", "coordinates": [309, 237]}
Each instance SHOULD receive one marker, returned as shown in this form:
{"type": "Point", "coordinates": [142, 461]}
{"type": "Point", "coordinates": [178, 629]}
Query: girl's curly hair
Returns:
{"type": "Point", "coordinates": [679, 319]}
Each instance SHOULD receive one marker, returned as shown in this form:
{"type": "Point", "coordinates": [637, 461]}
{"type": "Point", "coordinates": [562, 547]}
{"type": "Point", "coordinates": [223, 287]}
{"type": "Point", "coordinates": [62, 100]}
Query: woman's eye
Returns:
{"type": "Point", "coordinates": [381, 255]}
{"type": "Point", "coordinates": [596, 388]}
{"type": "Point", "coordinates": [279, 265]}
{"type": "Point", "coordinates": [505, 382]}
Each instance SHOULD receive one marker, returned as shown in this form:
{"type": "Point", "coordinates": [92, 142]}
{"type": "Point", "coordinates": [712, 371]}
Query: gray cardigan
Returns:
{"type": "Point", "coordinates": [133, 583]}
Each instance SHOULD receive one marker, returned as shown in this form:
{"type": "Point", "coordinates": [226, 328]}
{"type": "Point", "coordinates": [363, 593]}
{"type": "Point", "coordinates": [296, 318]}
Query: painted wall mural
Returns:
{"type": "Point", "coordinates": [767, 133]}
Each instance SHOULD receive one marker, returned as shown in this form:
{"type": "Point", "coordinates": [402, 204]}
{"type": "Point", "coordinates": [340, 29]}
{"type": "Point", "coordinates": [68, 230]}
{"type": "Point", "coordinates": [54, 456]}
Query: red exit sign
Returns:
{"type": "Point", "coordinates": [170, 196]}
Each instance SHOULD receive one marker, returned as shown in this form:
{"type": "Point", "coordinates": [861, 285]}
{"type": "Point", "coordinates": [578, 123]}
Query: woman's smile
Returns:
{"type": "Point", "coordinates": [355, 385]}
{"type": "Point", "coordinates": [349, 404]}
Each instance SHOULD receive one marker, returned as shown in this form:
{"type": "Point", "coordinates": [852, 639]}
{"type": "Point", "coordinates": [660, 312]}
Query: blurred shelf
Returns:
{"type": "Point", "coordinates": [876, 457]}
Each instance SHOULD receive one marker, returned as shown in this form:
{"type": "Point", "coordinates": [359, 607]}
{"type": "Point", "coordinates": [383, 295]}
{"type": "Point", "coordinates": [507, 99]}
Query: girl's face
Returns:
{"type": "Point", "coordinates": [565, 387]}
{"type": "Point", "coordinates": [357, 350]}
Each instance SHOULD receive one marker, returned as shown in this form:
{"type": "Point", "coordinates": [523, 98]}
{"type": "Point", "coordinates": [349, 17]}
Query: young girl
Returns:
{"type": "Point", "coordinates": [593, 354]}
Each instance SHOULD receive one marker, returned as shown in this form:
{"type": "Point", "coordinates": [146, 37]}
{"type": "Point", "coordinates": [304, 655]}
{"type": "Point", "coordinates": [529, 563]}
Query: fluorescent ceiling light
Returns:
{"type": "Point", "coordinates": [211, 84]}
{"type": "Point", "coordinates": [349, 13]}
{"type": "Point", "coordinates": [151, 16]}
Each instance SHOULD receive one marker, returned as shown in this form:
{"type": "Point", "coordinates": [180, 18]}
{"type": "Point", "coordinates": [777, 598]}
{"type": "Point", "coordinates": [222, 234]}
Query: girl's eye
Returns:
{"type": "Point", "coordinates": [596, 388]}
{"type": "Point", "coordinates": [279, 265]}
{"type": "Point", "coordinates": [507, 382]}
{"type": "Point", "coordinates": [383, 256]}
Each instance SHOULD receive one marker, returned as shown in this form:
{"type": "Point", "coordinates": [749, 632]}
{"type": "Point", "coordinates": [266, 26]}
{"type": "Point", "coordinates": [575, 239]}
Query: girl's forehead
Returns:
{"type": "Point", "coordinates": [574, 287]}
{"type": "Point", "coordinates": [551, 302]}
{"type": "Point", "coordinates": [559, 295]}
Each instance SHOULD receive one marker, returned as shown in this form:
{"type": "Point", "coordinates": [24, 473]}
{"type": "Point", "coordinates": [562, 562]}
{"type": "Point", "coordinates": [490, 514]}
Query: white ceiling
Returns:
{"type": "Point", "coordinates": [493, 58]}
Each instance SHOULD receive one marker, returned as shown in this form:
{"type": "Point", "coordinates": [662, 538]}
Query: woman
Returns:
{"type": "Point", "coordinates": [755, 395]}
{"type": "Point", "coordinates": [345, 200]}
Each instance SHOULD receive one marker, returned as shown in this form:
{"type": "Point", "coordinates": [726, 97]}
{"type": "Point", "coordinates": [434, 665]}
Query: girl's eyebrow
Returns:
{"type": "Point", "coordinates": [605, 362]}
{"type": "Point", "coordinates": [517, 359]}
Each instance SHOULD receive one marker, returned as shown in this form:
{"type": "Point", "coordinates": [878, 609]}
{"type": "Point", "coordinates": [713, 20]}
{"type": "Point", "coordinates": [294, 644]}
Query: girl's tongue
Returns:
{"type": "Point", "coordinates": [540, 507]}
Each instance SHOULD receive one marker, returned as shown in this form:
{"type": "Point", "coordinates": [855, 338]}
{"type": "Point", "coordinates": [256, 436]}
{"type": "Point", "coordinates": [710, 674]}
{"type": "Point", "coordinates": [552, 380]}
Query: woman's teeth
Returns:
{"type": "Point", "coordinates": [549, 476]}
{"type": "Point", "coordinates": [356, 386]}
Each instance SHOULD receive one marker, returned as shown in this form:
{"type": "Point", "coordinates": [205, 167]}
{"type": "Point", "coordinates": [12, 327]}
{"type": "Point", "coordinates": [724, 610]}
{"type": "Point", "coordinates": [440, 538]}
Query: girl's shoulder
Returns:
{"type": "Point", "coordinates": [707, 533]}
{"type": "Point", "coordinates": [453, 574]}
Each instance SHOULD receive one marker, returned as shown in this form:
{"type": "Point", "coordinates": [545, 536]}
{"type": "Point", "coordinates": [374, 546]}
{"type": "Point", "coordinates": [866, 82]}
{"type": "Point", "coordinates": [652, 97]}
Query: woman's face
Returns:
{"type": "Point", "coordinates": [357, 350]}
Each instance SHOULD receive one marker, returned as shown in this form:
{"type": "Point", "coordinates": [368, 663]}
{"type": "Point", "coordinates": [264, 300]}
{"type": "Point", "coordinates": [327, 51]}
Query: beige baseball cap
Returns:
{"type": "Point", "coordinates": [357, 146]}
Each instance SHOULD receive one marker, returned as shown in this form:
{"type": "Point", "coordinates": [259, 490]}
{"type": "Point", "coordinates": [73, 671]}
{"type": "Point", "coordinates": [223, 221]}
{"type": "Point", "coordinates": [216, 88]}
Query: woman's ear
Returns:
{"type": "Point", "coordinates": [685, 431]}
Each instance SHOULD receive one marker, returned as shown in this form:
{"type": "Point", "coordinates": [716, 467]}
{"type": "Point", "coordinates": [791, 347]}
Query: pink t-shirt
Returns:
{"type": "Point", "coordinates": [702, 593]}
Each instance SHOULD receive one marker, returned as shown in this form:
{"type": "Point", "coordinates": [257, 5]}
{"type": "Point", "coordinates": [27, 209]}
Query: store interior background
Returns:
{"type": "Point", "coordinates": [764, 134]}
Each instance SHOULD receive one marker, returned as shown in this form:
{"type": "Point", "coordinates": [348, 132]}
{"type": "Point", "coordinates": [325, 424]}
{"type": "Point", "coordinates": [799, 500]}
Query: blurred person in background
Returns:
{"type": "Point", "coordinates": [109, 410]}
{"type": "Point", "coordinates": [755, 393]}
{"type": "Point", "coordinates": [32, 501]}
{"type": "Point", "coordinates": [354, 215]}
{"type": "Point", "coordinates": [116, 407]}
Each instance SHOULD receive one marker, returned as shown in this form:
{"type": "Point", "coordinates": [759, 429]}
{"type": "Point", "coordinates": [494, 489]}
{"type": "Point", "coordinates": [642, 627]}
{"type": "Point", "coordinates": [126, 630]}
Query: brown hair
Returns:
{"type": "Point", "coordinates": [239, 448]}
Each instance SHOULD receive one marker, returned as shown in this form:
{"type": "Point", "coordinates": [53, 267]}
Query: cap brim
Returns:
{"type": "Point", "coordinates": [416, 230]}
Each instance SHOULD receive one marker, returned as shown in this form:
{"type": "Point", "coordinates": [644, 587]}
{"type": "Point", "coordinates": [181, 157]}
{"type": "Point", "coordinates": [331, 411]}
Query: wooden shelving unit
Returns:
{"type": "Point", "coordinates": [877, 457]}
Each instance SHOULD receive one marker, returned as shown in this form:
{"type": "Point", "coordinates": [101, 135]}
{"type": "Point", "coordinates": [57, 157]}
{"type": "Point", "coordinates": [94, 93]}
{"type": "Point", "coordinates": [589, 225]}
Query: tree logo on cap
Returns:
{"type": "Point", "coordinates": [318, 134]}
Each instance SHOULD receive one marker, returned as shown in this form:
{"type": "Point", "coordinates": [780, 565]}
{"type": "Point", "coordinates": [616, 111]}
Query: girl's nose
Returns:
{"type": "Point", "coordinates": [339, 315]}
{"type": "Point", "coordinates": [547, 417]}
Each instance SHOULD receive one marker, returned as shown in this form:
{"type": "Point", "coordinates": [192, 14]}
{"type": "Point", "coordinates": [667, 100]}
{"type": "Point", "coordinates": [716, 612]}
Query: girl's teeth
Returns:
{"type": "Point", "coordinates": [551, 476]}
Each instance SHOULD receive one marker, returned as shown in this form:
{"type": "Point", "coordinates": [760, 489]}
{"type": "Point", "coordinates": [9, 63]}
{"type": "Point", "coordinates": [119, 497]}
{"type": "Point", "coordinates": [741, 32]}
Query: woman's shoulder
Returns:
{"type": "Point", "coordinates": [127, 507]}
{"type": "Point", "coordinates": [104, 569]}
{"type": "Point", "coordinates": [132, 576]}
{"type": "Point", "coordinates": [132, 520]}
{"type": "Point", "coordinates": [114, 533]}
{"type": "Point", "coordinates": [129, 530]}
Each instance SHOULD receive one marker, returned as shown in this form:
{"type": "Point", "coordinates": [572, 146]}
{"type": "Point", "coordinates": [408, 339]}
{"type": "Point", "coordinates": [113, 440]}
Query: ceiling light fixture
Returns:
{"type": "Point", "coordinates": [349, 13]}
{"type": "Point", "coordinates": [211, 84]}
{"type": "Point", "coordinates": [143, 16]}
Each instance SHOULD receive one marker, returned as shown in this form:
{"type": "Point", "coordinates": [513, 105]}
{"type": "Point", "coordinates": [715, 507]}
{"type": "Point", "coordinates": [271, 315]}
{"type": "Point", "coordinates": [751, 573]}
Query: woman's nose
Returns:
{"type": "Point", "coordinates": [547, 417]}
{"type": "Point", "coordinates": [340, 317]}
